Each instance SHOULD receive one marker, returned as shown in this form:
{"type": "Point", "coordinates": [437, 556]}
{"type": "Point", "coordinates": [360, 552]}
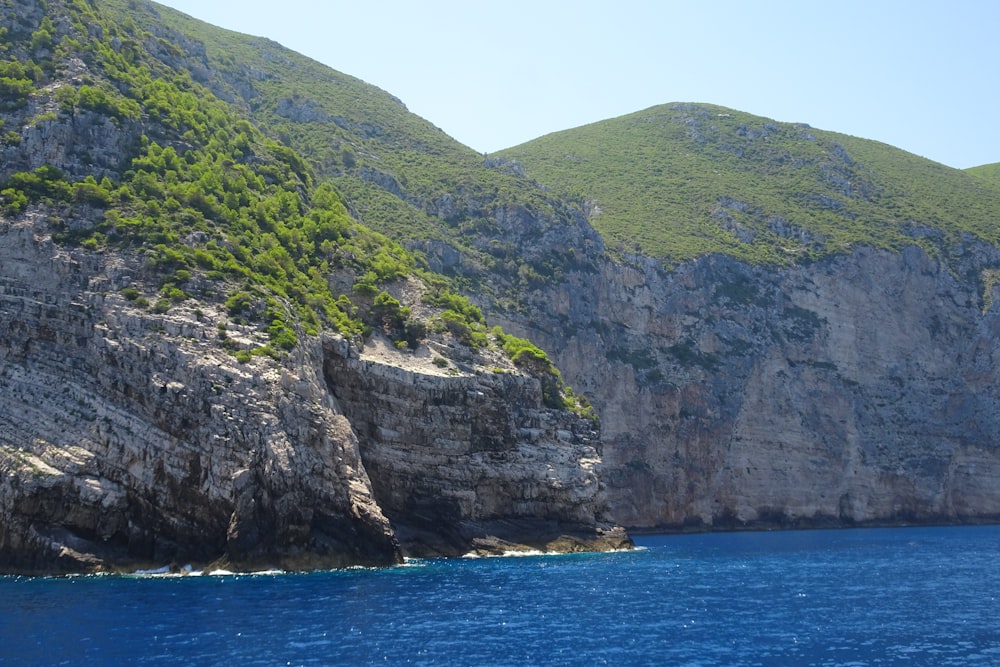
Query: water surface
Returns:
{"type": "Point", "coordinates": [907, 596]}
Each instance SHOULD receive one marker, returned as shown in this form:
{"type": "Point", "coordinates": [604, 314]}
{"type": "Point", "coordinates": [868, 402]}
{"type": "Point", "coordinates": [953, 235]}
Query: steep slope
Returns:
{"type": "Point", "coordinates": [777, 325]}
{"type": "Point", "coordinates": [184, 317]}
{"type": "Point", "coordinates": [857, 389]}
{"type": "Point", "coordinates": [462, 214]}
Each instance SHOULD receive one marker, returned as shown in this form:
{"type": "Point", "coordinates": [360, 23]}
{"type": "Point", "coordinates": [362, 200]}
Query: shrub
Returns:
{"type": "Point", "coordinates": [12, 201]}
{"type": "Point", "coordinates": [238, 303]}
{"type": "Point", "coordinates": [281, 336]}
{"type": "Point", "coordinates": [90, 193]}
{"type": "Point", "coordinates": [456, 303]}
{"type": "Point", "coordinates": [14, 93]}
{"type": "Point", "coordinates": [414, 331]}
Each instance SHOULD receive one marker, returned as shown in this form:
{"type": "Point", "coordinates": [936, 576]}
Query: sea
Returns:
{"type": "Point", "coordinates": [886, 596]}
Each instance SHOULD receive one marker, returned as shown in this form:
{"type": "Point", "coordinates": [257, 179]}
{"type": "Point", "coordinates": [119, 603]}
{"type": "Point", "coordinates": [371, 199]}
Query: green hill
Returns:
{"type": "Point", "coordinates": [989, 173]}
{"type": "Point", "coordinates": [682, 180]}
{"type": "Point", "coordinates": [274, 159]}
{"type": "Point", "coordinates": [675, 181]}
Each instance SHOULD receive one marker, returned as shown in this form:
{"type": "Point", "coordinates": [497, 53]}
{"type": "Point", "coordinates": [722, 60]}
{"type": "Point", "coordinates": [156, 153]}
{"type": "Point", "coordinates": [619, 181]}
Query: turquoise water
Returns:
{"type": "Point", "coordinates": [909, 596]}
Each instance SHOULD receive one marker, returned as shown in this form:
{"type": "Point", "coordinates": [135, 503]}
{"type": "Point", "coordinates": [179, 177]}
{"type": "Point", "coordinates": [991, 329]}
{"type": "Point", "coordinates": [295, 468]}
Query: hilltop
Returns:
{"type": "Point", "coordinates": [679, 181]}
{"type": "Point", "coordinates": [989, 173]}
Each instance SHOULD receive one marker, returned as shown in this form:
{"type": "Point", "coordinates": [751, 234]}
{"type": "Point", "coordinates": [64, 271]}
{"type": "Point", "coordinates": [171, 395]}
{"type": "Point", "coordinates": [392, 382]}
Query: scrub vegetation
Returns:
{"type": "Point", "coordinates": [401, 175]}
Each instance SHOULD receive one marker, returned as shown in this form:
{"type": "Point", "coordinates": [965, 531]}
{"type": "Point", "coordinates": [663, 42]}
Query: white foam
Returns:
{"type": "Point", "coordinates": [513, 553]}
{"type": "Point", "coordinates": [530, 552]}
{"type": "Point", "coordinates": [166, 572]}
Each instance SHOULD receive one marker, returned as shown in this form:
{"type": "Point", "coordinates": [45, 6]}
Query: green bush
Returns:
{"type": "Point", "coordinates": [14, 93]}
{"type": "Point", "coordinates": [281, 336]}
{"type": "Point", "coordinates": [12, 201]}
{"type": "Point", "coordinates": [238, 303]}
{"type": "Point", "coordinates": [456, 303]}
{"type": "Point", "coordinates": [45, 182]}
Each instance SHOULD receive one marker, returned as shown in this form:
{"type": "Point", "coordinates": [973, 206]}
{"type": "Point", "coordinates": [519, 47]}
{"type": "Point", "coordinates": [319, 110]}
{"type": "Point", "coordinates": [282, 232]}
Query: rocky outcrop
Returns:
{"type": "Point", "coordinates": [473, 459]}
{"type": "Point", "coordinates": [79, 142]}
{"type": "Point", "coordinates": [858, 389]}
{"type": "Point", "coordinates": [132, 438]}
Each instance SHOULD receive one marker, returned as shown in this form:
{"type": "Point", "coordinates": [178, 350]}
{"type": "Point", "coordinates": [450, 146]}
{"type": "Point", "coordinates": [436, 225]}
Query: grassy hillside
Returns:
{"type": "Point", "coordinates": [988, 173]}
{"type": "Point", "coordinates": [675, 181]}
{"type": "Point", "coordinates": [682, 180]}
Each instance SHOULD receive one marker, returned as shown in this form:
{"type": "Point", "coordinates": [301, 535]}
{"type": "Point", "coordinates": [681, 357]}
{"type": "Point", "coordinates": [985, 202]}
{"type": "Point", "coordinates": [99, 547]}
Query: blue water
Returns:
{"type": "Point", "coordinates": [910, 596]}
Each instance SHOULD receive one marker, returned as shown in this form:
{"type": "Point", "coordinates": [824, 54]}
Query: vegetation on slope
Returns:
{"type": "Point", "coordinates": [676, 181]}
{"type": "Point", "coordinates": [216, 207]}
{"type": "Point", "coordinates": [683, 180]}
{"type": "Point", "coordinates": [203, 191]}
{"type": "Point", "coordinates": [398, 174]}
{"type": "Point", "coordinates": [987, 173]}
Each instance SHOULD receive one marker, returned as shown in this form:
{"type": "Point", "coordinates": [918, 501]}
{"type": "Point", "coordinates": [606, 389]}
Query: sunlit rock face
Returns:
{"type": "Point", "coordinates": [857, 389]}
{"type": "Point", "coordinates": [130, 437]}
{"type": "Point", "coordinates": [133, 438]}
{"type": "Point", "coordinates": [474, 462]}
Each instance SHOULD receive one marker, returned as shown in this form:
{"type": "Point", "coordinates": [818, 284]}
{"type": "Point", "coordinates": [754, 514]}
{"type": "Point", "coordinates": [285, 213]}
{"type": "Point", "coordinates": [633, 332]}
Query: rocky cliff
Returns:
{"type": "Point", "coordinates": [132, 438]}
{"type": "Point", "coordinates": [181, 312]}
{"type": "Point", "coordinates": [853, 387]}
{"type": "Point", "coordinates": [857, 389]}
{"type": "Point", "coordinates": [473, 459]}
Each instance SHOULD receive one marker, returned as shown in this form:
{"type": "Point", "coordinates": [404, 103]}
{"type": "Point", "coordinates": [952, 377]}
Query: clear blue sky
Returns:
{"type": "Point", "coordinates": [919, 75]}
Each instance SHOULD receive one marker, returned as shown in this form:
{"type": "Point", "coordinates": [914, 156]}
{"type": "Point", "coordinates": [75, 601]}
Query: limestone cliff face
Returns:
{"type": "Point", "coordinates": [861, 388]}
{"type": "Point", "coordinates": [130, 438]}
{"type": "Point", "coordinates": [473, 459]}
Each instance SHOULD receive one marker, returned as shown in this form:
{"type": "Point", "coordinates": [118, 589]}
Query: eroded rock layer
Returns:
{"type": "Point", "coordinates": [474, 459]}
{"type": "Point", "coordinates": [129, 437]}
